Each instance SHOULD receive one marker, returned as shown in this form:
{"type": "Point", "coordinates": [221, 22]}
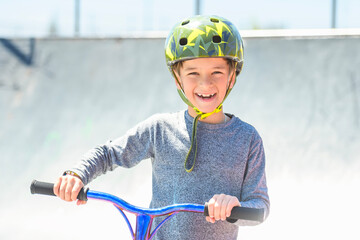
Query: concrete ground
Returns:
{"type": "Point", "coordinates": [61, 97]}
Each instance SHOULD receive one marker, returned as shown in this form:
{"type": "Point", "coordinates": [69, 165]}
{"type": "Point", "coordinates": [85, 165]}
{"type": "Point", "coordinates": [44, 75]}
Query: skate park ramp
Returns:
{"type": "Point", "coordinates": [61, 97]}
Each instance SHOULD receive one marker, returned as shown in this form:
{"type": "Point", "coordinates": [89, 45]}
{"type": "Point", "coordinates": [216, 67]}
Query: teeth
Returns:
{"type": "Point", "coordinates": [206, 95]}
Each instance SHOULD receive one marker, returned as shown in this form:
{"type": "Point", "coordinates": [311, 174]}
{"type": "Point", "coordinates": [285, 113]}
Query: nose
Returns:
{"type": "Point", "coordinates": [205, 81]}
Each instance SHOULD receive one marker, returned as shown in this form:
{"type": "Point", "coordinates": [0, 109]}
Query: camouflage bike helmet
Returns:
{"type": "Point", "coordinates": [203, 37]}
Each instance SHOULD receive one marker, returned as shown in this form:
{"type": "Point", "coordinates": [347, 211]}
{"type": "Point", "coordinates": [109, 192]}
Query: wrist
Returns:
{"type": "Point", "coordinates": [71, 173]}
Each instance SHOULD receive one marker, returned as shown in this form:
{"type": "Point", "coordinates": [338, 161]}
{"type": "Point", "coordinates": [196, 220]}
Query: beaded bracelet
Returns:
{"type": "Point", "coordinates": [68, 172]}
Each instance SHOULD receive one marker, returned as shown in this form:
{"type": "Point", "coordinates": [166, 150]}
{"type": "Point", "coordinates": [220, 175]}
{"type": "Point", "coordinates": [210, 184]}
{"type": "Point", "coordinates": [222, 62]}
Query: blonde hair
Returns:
{"type": "Point", "coordinates": [178, 65]}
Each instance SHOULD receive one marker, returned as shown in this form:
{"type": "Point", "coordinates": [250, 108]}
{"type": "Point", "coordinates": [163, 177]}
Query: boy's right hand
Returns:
{"type": "Point", "coordinates": [68, 187]}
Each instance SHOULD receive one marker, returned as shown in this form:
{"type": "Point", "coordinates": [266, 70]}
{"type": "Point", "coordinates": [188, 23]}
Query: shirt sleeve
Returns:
{"type": "Point", "coordinates": [125, 151]}
{"type": "Point", "coordinates": [254, 192]}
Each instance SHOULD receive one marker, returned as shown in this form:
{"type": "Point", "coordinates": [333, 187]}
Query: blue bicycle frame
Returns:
{"type": "Point", "coordinates": [144, 216]}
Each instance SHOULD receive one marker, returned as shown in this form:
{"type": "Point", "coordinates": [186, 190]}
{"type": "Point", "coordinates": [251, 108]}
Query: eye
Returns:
{"type": "Point", "coordinates": [192, 73]}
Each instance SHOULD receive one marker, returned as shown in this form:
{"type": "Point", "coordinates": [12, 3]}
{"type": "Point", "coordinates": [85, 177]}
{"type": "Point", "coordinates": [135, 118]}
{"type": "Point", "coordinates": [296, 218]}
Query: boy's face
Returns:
{"type": "Point", "coordinates": [205, 81]}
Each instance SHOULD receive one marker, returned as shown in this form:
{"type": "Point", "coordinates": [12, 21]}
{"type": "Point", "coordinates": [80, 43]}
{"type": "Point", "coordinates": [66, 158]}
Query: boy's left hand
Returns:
{"type": "Point", "coordinates": [220, 207]}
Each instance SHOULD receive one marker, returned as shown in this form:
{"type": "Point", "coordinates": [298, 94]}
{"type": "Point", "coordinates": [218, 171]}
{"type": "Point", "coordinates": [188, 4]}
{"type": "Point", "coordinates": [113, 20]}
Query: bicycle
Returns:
{"type": "Point", "coordinates": [145, 216]}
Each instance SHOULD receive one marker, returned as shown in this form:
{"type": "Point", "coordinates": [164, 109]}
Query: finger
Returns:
{"type": "Point", "coordinates": [211, 206]}
{"type": "Point", "coordinates": [232, 203]}
{"type": "Point", "coordinates": [224, 208]}
{"type": "Point", "coordinates": [210, 220]}
{"type": "Point", "coordinates": [62, 188]}
{"type": "Point", "coordinates": [217, 207]}
{"type": "Point", "coordinates": [80, 202]}
{"type": "Point", "coordinates": [68, 190]}
{"type": "Point", "coordinates": [57, 187]}
{"type": "Point", "coordinates": [76, 189]}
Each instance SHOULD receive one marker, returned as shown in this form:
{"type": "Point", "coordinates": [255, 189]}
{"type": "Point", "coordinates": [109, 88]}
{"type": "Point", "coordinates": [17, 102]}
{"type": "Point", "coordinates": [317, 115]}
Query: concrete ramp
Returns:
{"type": "Point", "coordinates": [61, 97]}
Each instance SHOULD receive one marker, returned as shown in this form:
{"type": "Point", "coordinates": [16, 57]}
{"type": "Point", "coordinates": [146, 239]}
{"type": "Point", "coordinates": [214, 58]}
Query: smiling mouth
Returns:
{"type": "Point", "coordinates": [205, 96]}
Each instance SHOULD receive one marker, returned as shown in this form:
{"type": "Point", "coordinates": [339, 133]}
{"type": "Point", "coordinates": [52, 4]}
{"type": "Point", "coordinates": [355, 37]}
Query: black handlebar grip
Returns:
{"type": "Point", "coordinates": [244, 213]}
{"type": "Point", "coordinates": [42, 188]}
{"type": "Point", "coordinates": [45, 188]}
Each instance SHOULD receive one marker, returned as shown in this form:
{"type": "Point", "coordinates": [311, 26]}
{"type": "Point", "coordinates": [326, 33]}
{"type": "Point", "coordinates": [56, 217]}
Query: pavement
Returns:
{"type": "Point", "coordinates": [61, 97]}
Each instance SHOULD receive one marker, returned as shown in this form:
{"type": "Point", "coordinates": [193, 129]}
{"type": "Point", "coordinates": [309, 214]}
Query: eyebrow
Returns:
{"type": "Point", "coordinates": [189, 68]}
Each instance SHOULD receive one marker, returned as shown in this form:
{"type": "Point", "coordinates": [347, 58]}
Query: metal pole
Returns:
{"type": "Point", "coordinates": [333, 14]}
{"type": "Point", "coordinates": [197, 7]}
{"type": "Point", "coordinates": [77, 18]}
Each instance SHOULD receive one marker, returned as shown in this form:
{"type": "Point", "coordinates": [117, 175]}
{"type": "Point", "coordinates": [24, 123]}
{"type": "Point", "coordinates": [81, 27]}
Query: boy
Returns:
{"type": "Point", "coordinates": [197, 155]}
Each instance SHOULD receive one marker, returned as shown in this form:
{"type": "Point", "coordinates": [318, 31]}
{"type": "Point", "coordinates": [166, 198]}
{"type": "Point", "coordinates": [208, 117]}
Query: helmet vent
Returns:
{"type": "Point", "coordinates": [216, 39]}
{"type": "Point", "coordinates": [183, 41]}
{"type": "Point", "coordinates": [185, 22]}
{"type": "Point", "coordinates": [214, 20]}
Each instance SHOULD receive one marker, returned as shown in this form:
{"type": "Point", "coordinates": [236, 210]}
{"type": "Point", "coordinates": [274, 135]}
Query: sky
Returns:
{"type": "Point", "coordinates": [22, 18]}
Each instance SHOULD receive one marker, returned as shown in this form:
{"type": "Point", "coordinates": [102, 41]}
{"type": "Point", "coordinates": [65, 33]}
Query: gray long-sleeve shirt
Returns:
{"type": "Point", "coordinates": [230, 160]}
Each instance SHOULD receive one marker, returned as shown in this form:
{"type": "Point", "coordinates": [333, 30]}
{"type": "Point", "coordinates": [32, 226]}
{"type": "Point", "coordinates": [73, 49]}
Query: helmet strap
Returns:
{"type": "Point", "coordinates": [200, 115]}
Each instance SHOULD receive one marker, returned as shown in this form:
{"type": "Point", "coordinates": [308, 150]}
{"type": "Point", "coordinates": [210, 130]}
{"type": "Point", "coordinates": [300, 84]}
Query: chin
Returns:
{"type": "Point", "coordinates": [207, 109]}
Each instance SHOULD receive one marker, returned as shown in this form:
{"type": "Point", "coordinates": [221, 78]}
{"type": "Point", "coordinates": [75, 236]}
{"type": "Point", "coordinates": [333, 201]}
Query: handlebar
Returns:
{"type": "Point", "coordinates": [244, 213]}
{"type": "Point", "coordinates": [46, 188]}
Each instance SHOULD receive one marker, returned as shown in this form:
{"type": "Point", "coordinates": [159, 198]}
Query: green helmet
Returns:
{"type": "Point", "coordinates": [204, 36]}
